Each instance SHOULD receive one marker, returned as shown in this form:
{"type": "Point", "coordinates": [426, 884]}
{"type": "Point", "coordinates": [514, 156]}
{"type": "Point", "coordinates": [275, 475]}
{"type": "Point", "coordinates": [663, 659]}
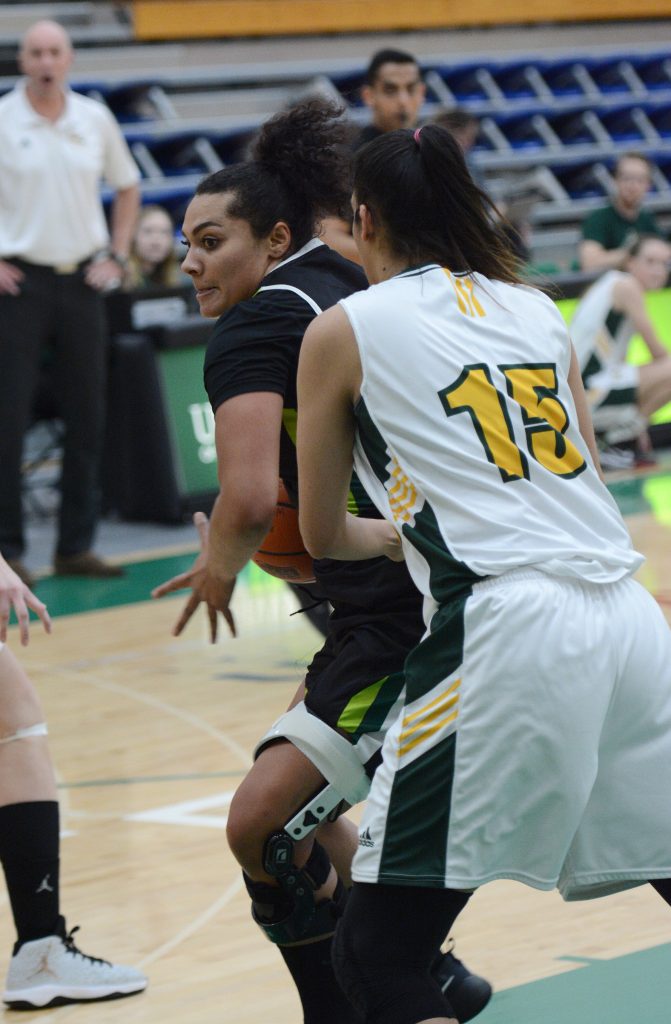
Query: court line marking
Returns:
{"type": "Point", "coordinates": [197, 923]}
{"type": "Point", "coordinates": [170, 709]}
{"type": "Point", "coordinates": [139, 780]}
{"type": "Point", "coordinates": [186, 813]}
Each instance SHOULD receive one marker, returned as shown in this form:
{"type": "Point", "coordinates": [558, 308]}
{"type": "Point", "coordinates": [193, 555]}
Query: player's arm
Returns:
{"type": "Point", "coordinates": [247, 433]}
{"type": "Point", "coordinates": [629, 298]}
{"type": "Point", "coordinates": [326, 429]}
{"type": "Point", "coordinates": [247, 438]}
{"type": "Point", "coordinates": [582, 408]}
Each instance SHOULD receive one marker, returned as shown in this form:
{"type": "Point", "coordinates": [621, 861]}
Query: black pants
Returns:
{"type": "Point", "coordinates": [60, 309]}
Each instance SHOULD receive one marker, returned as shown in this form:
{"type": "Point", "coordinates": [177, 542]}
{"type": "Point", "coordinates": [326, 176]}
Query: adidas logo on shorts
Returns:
{"type": "Point", "coordinates": [365, 838]}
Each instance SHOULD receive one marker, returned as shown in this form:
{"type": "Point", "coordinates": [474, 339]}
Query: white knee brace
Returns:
{"type": "Point", "coordinates": [331, 754]}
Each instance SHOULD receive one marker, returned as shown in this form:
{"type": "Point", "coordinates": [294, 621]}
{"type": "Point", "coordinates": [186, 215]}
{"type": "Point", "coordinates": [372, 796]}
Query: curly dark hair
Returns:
{"type": "Point", "coordinates": [298, 173]}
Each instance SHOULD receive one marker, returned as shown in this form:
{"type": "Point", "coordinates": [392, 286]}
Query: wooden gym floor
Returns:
{"type": "Point", "coordinates": [152, 734]}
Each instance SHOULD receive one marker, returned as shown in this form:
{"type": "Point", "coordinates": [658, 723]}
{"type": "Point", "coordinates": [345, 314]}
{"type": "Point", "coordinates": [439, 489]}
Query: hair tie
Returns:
{"type": "Point", "coordinates": [415, 135]}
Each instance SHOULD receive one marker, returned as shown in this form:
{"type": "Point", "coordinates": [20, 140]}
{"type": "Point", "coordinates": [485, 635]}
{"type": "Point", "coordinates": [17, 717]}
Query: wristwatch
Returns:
{"type": "Point", "coordinates": [121, 261]}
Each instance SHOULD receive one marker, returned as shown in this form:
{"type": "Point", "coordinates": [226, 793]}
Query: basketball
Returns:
{"type": "Point", "coordinates": [282, 552]}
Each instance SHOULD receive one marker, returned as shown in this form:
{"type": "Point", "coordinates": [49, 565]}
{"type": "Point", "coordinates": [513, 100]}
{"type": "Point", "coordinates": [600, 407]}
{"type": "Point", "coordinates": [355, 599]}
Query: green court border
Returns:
{"type": "Point", "coordinates": [631, 989]}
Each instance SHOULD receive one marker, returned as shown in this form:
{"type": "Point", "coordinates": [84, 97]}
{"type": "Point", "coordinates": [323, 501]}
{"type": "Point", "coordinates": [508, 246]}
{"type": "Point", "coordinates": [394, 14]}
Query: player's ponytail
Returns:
{"type": "Point", "coordinates": [298, 173]}
{"type": "Point", "coordinates": [418, 185]}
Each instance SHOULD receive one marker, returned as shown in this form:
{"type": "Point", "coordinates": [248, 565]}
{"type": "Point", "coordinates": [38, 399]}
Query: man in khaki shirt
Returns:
{"type": "Point", "coordinates": [56, 260]}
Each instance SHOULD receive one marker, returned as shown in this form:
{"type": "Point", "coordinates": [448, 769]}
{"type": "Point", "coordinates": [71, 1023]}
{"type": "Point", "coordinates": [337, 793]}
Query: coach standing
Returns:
{"type": "Point", "coordinates": [56, 259]}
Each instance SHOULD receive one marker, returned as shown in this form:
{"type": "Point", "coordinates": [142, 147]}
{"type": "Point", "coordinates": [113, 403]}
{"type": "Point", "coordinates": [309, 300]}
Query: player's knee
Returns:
{"type": "Point", "coordinates": [246, 833]}
{"type": "Point", "coordinates": [29, 732]}
{"type": "Point", "coordinates": [19, 702]}
{"type": "Point", "coordinates": [253, 817]}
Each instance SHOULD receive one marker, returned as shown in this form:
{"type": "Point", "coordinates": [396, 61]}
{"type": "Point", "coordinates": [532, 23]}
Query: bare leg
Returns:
{"type": "Point", "coordinates": [26, 771]}
{"type": "Point", "coordinates": [340, 839]}
{"type": "Point", "coordinates": [29, 821]}
{"type": "Point", "coordinates": [281, 780]}
{"type": "Point", "coordinates": [654, 389]}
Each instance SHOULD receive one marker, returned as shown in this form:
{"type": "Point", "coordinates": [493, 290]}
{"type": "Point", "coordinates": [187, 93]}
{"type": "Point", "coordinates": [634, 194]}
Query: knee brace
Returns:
{"type": "Point", "coordinates": [25, 734]}
{"type": "Point", "coordinates": [333, 755]}
{"type": "Point", "coordinates": [287, 912]}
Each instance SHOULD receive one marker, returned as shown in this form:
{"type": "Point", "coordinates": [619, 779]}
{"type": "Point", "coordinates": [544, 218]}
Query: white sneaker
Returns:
{"type": "Point", "coordinates": [52, 971]}
{"type": "Point", "coordinates": [612, 457]}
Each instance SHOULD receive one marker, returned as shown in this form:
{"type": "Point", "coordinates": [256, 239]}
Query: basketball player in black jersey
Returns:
{"type": "Point", "coordinates": [257, 264]}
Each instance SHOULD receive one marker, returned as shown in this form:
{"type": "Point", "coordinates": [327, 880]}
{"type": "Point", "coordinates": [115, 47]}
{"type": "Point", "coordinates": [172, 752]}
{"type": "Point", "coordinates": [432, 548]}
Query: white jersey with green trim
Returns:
{"type": "Point", "coordinates": [590, 330]}
{"type": "Point", "coordinates": [467, 433]}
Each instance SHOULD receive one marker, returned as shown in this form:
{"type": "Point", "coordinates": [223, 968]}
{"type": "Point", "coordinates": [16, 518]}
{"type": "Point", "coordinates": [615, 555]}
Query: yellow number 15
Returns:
{"type": "Point", "coordinates": [533, 388]}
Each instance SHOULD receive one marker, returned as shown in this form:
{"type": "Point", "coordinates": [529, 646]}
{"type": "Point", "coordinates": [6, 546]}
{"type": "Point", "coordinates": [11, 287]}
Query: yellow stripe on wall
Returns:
{"type": "Point", "coordinates": [175, 19]}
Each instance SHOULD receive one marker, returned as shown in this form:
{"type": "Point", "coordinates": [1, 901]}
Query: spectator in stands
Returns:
{"type": "Point", "coordinates": [608, 233]}
{"type": "Point", "coordinates": [56, 260]}
{"type": "Point", "coordinates": [394, 93]}
{"type": "Point", "coordinates": [152, 262]}
{"type": "Point", "coordinates": [623, 396]}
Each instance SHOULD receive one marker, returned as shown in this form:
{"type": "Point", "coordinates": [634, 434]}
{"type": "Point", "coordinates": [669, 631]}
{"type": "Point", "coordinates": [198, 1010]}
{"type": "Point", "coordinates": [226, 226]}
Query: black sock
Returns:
{"type": "Point", "coordinates": [29, 846]}
{"type": "Point", "coordinates": [663, 887]}
{"type": "Point", "coordinates": [321, 996]}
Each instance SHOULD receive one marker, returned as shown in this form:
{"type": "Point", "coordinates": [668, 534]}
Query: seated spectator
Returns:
{"type": "Point", "coordinates": [623, 396]}
{"type": "Point", "coordinates": [152, 261]}
{"type": "Point", "coordinates": [609, 232]}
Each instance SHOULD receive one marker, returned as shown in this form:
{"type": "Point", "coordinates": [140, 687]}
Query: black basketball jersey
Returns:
{"type": "Point", "coordinates": [255, 345]}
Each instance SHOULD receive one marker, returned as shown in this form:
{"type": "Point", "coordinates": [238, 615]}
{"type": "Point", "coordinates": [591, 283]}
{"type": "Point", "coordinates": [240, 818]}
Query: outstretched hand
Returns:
{"type": "Point", "coordinates": [214, 591]}
{"type": "Point", "coordinates": [15, 594]}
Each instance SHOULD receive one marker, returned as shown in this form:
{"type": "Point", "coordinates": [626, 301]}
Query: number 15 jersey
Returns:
{"type": "Point", "coordinates": [467, 433]}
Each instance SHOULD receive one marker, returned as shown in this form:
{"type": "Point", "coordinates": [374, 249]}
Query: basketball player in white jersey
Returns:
{"type": "Point", "coordinates": [535, 738]}
{"type": "Point", "coordinates": [622, 397]}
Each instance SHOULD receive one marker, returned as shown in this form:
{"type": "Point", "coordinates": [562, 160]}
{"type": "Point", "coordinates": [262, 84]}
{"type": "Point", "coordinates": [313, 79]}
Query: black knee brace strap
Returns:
{"type": "Point", "coordinates": [287, 912]}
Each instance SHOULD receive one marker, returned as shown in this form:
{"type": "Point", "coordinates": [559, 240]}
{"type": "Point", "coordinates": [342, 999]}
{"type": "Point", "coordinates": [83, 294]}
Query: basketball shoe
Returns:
{"type": "Point", "coordinates": [52, 971]}
{"type": "Point", "coordinates": [467, 993]}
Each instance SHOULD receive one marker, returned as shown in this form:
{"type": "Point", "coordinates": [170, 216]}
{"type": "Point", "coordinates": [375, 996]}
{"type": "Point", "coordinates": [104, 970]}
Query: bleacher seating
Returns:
{"type": "Point", "coordinates": [551, 126]}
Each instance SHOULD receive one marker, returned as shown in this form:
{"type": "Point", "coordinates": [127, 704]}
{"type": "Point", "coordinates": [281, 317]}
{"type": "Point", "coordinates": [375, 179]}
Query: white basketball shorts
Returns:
{"type": "Point", "coordinates": [534, 744]}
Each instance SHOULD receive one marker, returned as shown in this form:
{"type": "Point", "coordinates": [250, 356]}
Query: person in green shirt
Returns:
{"type": "Point", "coordinates": [608, 233]}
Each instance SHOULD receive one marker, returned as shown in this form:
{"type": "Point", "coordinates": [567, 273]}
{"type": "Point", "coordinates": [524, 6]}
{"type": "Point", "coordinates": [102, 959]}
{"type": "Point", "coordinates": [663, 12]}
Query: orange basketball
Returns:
{"type": "Point", "coordinates": [282, 552]}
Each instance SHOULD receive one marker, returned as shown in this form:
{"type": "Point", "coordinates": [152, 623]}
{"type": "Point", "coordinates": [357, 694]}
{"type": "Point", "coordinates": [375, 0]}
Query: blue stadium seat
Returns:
{"type": "Point", "coordinates": [579, 180]}
{"type": "Point", "coordinates": [132, 102]}
{"type": "Point", "coordinates": [464, 82]}
{"type": "Point", "coordinates": [654, 70]}
{"type": "Point", "coordinates": [660, 117]}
